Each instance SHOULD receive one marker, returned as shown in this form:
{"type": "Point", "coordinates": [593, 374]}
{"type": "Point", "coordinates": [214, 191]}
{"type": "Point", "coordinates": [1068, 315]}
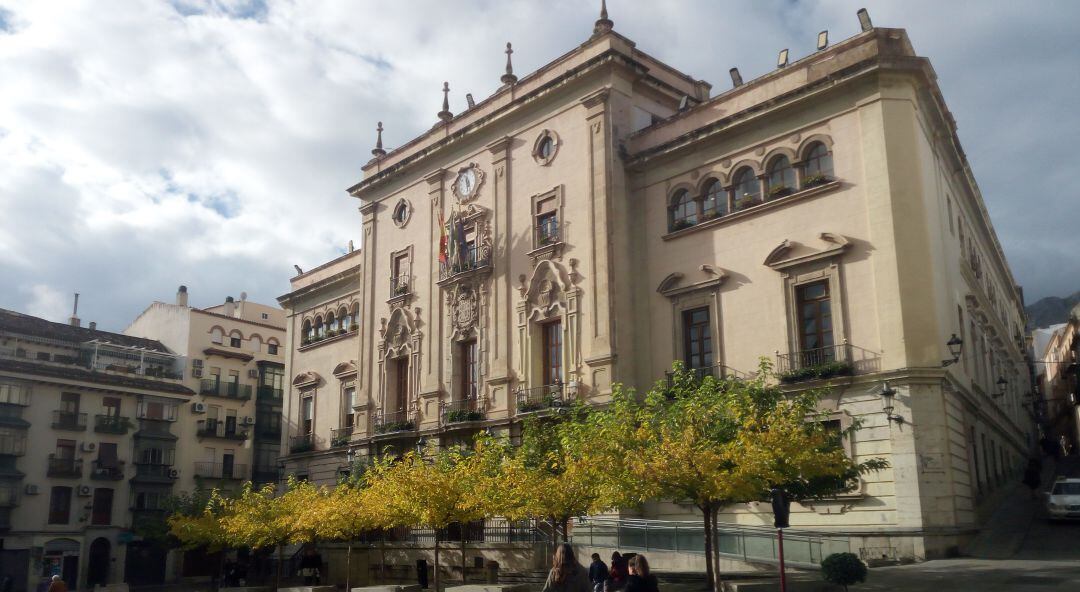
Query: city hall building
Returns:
{"type": "Point", "coordinates": [595, 220]}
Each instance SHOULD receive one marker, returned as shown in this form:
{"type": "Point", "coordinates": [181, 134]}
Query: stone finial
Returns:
{"type": "Point", "coordinates": [509, 77]}
{"type": "Point", "coordinates": [445, 114]}
{"type": "Point", "coordinates": [603, 24]}
{"type": "Point", "coordinates": [378, 150]}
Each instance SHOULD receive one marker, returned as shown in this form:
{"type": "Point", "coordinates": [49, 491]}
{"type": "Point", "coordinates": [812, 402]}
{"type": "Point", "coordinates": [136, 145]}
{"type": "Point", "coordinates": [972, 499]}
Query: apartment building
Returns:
{"type": "Point", "coordinates": [88, 440]}
{"type": "Point", "coordinates": [595, 220]}
{"type": "Point", "coordinates": [1056, 404]}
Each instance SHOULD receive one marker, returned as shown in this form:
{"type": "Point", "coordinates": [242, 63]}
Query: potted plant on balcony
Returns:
{"type": "Point", "coordinates": [401, 289]}
{"type": "Point", "coordinates": [778, 191]}
{"type": "Point", "coordinates": [681, 224]}
{"type": "Point", "coordinates": [460, 415]}
{"type": "Point", "coordinates": [817, 372]}
{"type": "Point", "coordinates": [815, 181]}
{"type": "Point", "coordinates": [746, 201]}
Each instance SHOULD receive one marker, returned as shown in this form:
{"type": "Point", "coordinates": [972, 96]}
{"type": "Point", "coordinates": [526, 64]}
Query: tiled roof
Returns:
{"type": "Point", "coordinates": [15, 322]}
{"type": "Point", "coordinates": [82, 374]}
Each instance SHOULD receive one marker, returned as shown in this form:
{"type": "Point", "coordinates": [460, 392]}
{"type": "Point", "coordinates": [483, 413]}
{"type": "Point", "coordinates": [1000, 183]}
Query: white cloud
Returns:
{"type": "Point", "coordinates": [45, 301]}
{"type": "Point", "coordinates": [209, 142]}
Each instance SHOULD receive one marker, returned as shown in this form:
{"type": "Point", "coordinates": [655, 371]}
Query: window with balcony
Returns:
{"type": "Point", "coordinates": [551, 336]}
{"type": "Point", "coordinates": [60, 505]}
{"type": "Point", "coordinates": [348, 403]}
{"type": "Point", "coordinates": [111, 406]}
{"type": "Point", "coordinates": [547, 221]}
{"type": "Point", "coordinates": [468, 370]}
{"type": "Point", "coordinates": [307, 414]}
{"type": "Point", "coordinates": [101, 512]}
{"type": "Point", "coordinates": [399, 395]}
{"type": "Point", "coordinates": [400, 278]}
{"type": "Point", "coordinates": [697, 339]}
{"type": "Point", "coordinates": [815, 321]}
{"type": "Point", "coordinates": [65, 449]}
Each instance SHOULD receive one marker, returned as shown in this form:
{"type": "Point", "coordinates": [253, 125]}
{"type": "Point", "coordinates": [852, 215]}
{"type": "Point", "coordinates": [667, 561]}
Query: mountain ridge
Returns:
{"type": "Point", "coordinates": [1050, 310]}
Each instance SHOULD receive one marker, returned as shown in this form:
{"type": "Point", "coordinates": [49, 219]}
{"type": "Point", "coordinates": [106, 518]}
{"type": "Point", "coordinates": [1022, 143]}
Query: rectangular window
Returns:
{"type": "Point", "coordinates": [399, 282]}
{"type": "Point", "coordinates": [470, 247]}
{"type": "Point", "coordinates": [948, 203]}
{"type": "Point", "coordinates": [65, 449]}
{"type": "Point", "coordinates": [230, 422]}
{"type": "Point", "coordinates": [401, 384]}
{"type": "Point", "coordinates": [153, 456]}
{"type": "Point", "coordinates": [60, 505]}
{"type": "Point", "coordinates": [228, 463]}
{"type": "Point", "coordinates": [307, 414]}
{"type": "Point", "coordinates": [697, 339]}
{"type": "Point", "coordinates": [469, 375]}
{"type": "Point", "coordinates": [815, 323]}
{"type": "Point", "coordinates": [107, 456]}
{"type": "Point", "coordinates": [69, 402]}
{"type": "Point", "coordinates": [102, 509]}
{"type": "Point", "coordinates": [547, 222]}
{"type": "Point", "coordinates": [271, 348]}
{"type": "Point", "coordinates": [552, 344]}
{"type": "Point", "coordinates": [349, 400]}
{"type": "Point", "coordinates": [111, 406]}
{"type": "Point", "coordinates": [975, 463]}
{"type": "Point", "coordinates": [234, 342]}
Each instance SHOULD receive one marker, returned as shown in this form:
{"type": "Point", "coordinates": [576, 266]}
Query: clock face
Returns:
{"type": "Point", "coordinates": [466, 182]}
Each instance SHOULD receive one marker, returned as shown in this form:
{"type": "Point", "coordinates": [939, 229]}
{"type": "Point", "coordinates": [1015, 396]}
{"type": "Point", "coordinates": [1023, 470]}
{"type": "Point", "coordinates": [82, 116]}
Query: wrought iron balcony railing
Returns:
{"type": "Point", "coordinates": [301, 443]}
{"type": "Point", "coordinates": [65, 467]}
{"type": "Point", "coordinates": [472, 260]}
{"type": "Point", "coordinates": [400, 285]}
{"type": "Point", "coordinates": [111, 424]}
{"type": "Point", "coordinates": [269, 393]}
{"type": "Point", "coordinates": [340, 436]}
{"type": "Point", "coordinates": [717, 371]}
{"type": "Point", "coordinates": [69, 420]}
{"type": "Point", "coordinates": [825, 362]}
{"type": "Point", "coordinates": [216, 428]}
{"type": "Point", "coordinates": [107, 470]}
{"type": "Point", "coordinates": [224, 389]}
{"type": "Point", "coordinates": [395, 421]}
{"type": "Point", "coordinates": [463, 410]}
{"type": "Point", "coordinates": [543, 397]}
{"type": "Point", "coordinates": [156, 471]}
{"type": "Point", "coordinates": [216, 470]}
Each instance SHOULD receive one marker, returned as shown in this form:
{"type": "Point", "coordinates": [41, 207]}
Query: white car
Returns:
{"type": "Point", "coordinates": [1063, 500]}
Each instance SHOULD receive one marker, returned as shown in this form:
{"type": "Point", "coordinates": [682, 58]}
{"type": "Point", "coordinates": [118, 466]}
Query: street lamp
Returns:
{"type": "Point", "coordinates": [1001, 383]}
{"type": "Point", "coordinates": [887, 393]}
{"type": "Point", "coordinates": [956, 347]}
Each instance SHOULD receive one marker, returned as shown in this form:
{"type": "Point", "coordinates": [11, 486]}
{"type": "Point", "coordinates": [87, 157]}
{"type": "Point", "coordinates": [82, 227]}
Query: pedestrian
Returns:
{"type": "Point", "coordinates": [617, 573]}
{"type": "Point", "coordinates": [566, 575]}
{"type": "Point", "coordinates": [598, 573]}
{"type": "Point", "coordinates": [640, 580]}
{"type": "Point", "coordinates": [310, 566]}
{"type": "Point", "coordinates": [1032, 477]}
{"type": "Point", "coordinates": [57, 585]}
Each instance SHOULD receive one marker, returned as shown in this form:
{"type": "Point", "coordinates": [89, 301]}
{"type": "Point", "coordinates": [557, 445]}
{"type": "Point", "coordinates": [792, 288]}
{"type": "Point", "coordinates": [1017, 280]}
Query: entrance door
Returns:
{"type": "Point", "coordinates": [97, 567]}
{"type": "Point", "coordinates": [70, 571]}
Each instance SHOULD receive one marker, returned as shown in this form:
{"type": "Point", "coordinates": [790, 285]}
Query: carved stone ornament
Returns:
{"type": "Point", "coordinates": [465, 309]}
{"type": "Point", "coordinates": [467, 182]}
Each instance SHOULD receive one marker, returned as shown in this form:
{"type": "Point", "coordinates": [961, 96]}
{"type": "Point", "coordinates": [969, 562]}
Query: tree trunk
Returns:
{"type": "Point", "coordinates": [382, 558]}
{"type": "Point", "coordinates": [554, 522]}
{"type": "Point", "coordinates": [716, 548]}
{"type": "Point", "coordinates": [348, 566]}
{"type": "Point", "coordinates": [436, 578]}
{"type": "Point", "coordinates": [710, 575]}
{"type": "Point", "coordinates": [463, 576]}
{"type": "Point", "coordinates": [280, 564]}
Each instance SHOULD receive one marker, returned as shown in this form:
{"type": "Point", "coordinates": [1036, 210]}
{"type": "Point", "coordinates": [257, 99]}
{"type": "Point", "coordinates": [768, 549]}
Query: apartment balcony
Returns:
{"type": "Point", "coordinates": [717, 371]}
{"type": "Point", "coordinates": [14, 394]}
{"type": "Point", "coordinates": [340, 436]}
{"type": "Point", "coordinates": [107, 471]}
{"type": "Point", "coordinates": [400, 285]}
{"type": "Point", "coordinates": [111, 424]}
{"type": "Point", "coordinates": [68, 420]}
{"type": "Point", "coordinates": [215, 428]}
{"type": "Point", "coordinates": [474, 261]}
{"type": "Point", "coordinates": [395, 422]}
{"type": "Point", "coordinates": [225, 471]}
{"type": "Point", "coordinates": [155, 473]}
{"type": "Point", "coordinates": [463, 411]}
{"type": "Point", "coordinates": [67, 468]}
{"type": "Point", "coordinates": [12, 445]}
{"type": "Point", "coordinates": [211, 387]}
{"type": "Point", "coordinates": [543, 398]}
{"type": "Point", "coordinates": [301, 443]}
{"type": "Point", "coordinates": [269, 393]}
{"type": "Point", "coordinates": [821, 363]}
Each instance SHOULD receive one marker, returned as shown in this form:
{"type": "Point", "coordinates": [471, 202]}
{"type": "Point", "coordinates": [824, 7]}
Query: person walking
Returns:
{"type": "Point", "coordinates": [57, 585]}
{"type": "Point", "coordinates": [617, 574]}
{"type": "Point", "coordinates": [598, 573]}
{"type": "Point", "coordinates": [566, 575]}
{"type": "Point", "coordinates": [1032, 477]}
{"type": "Point", "coordinates": [640, 580]}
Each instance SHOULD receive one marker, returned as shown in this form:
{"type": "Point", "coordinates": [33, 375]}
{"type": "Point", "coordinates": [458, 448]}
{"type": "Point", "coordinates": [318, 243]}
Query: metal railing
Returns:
{"type": "Point", "coordinates": [395, 421]}
{"type": "Point", "coordinates": [69, 420]}
{"type": "Point", "coordinates": [493, 530]}
{"type": "Point", "coordinates": [542, 397]}
{"type": "Point", "coordinates": [12, 445]}
{"type": "Point", "coordinates": [718, 371]}
{"type": "Point", "coordinates": [111, 424]}
{"type": "Point", "coordinates": [463, 410]}
{"type": "Point", "coordinates": [65, 467]}
{"type": "Point", "coordinates": [548, 232]}
{"type": "Point", "coordinates": [340, 436]}
{"type": "Point", "coordinates": [400, 285]}
{"type": "Point", "coordinates": [802, 548]}
{"type": "Point", "coordinates": [216, 428]}
{"type": "Point", "coordinates": [107, 470]}
{"type": "Point", "coordinates": [269, 392]}
{"type": "Point", "coordinates": [225, 389]}
{"type": "Point", "coordinates": [216, 470]}
{"type": "Point", "coordinates": [471, 260]}
{"type": "Point", "coordinates": [155, 470]}
{"type": "Point", "coordinates": [301, 443]}
{"type": "Point", "coordinates": [843, 359]}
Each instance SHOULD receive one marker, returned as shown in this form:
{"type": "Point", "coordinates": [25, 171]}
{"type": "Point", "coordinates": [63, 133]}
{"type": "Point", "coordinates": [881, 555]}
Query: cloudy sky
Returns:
{"type": "Point", "coordinates": [147, 144]}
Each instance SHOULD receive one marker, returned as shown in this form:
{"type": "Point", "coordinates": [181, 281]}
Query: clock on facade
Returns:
{"type": "Point", "coordinates": [468, 182]}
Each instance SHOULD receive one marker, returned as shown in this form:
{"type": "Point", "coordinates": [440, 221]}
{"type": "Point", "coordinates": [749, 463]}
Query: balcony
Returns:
{"type": "Point", "coordinates": [226, 390]}
{"type": "Point", "coordinates": [156, 472]}
{"type": "Point", "coordinates": [340, 436]}
{"type": "Point", "coordinates": [15, 394]}
{"type": "Point", "coordinates": [474, 261]}
{"type": "Point", "coordinates": [463, 411]}
{"type": "Point", "coordinates": [825, 362]}
{"type": "Point", "coordinates": [717, 371]}
{"type": "Point", "coordinates": [301, 443]}
{"type": "Point", "coordinates": [214, 470]}
{"type": "Point", "coordinates": [69, 420]}
{"type": "Point", "coordinates": [542, 398]}
{"type": "Point", "coordinates": [215, 428]}
{"type": "Point", "coordinates": [68, 468]}
{"type": "Point", "coordinates": [400, 285]}
{"type": "Point", "coordinates": [12, 445]}
{"type": "Point", "coordinates": [269, 393]}
{"type": "Point", "coordinates": [111, 424]}
{"type": "Point", "coordinates": [394, 422]}
{"type": "Point", "coordinates": [107, 471]}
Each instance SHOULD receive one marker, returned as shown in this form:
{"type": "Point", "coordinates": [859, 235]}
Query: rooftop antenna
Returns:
{"type": "Point", "coordinates": [864, 19]}
{"type": "Point", "coordinates": [509, 77]}
{"type": "Point", "coordinates": [603, 24]}
{"type": "Point", "coordinates": [736, 78]}
{"type": "Point", "coordinates": [822, 40]}
{"type": "Point", "coordinates": [445, 114]}
{"type": "Point", "coordinates": [378, 150]}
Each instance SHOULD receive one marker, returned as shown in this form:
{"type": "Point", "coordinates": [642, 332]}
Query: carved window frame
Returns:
{"type": "Point", "coordinates": [555, 143]}
{"type": "Point", "coordinates": [556, 193]}
{"type": "Point", "coordinates": [401, 203]}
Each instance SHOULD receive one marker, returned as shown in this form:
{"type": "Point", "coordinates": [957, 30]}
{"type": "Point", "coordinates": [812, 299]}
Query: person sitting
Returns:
{"type": "Point", "coordinates": [640, 580]}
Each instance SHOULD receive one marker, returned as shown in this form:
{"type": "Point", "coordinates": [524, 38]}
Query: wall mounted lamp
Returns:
{"type": "Point", "coordinates": [1001, 384]}
{"type": "Point", "coordinates": [956, 347]}
{"type": "Point", "coordinates": [887, 394]}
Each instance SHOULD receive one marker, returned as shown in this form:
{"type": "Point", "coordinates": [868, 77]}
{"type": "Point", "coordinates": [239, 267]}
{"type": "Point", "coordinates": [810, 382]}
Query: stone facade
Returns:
{"type": "Point", "coordinates": [609, 216]}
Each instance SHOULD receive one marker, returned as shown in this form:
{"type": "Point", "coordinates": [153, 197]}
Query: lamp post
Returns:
{"type": "Point", "coordinates": [887, 394]}
{"type": "Point", "coordinates": [781, 507]}
{"type": "Point", "coordinates": [956, 347]}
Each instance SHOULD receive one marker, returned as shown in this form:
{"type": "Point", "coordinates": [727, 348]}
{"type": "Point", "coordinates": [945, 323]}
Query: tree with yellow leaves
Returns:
{"type": "Point", "coordinates": [344, 514]}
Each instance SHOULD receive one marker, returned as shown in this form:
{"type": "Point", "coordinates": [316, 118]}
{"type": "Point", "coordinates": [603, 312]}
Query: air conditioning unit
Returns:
{"type": "Point", "coordinates": [84, 491]}
{"type": "Point", "coordinates": [174, 474]}
{"type": "Point", "coordinates": [31, 489]}
{"type": "Point", "coordinates": [88, 446]}
{"type": "Point", "coordinates": [253, 373]}
{"type": "Point", "coordinates": [196, 372]}
{"type": "Point", "coordinates": [247, 421]}
{"type": "Point", "coordinates": [198, 407]}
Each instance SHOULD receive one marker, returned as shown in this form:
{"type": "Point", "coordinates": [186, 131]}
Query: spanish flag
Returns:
{"type": "Point", "coordinates": [444, 256]}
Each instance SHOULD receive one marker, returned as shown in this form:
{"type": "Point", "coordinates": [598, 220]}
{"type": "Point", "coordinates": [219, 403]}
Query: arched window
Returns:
{"type": "Point", "coordinates": [684, 211]}
{"type": "Point", "coordinates": [781, 177]}
{"type": "Point", "coordinates": [235, 339]}
{"type": "Point", "coordinates": [255, 344]}
{"type": "Point", "coordinates": [713, 200]}
{"type": "Point", "coordinates": [308, 332]}
{"type": "Point", "coordinates": [818, 168]}
{"type": "Point", "coordinates": [331, 321]}
{"type": "Point", "coordinates": [355, 316]}
{"type": "Point", "coordinates": [320, 328]}
{"type": "Point", "coordinates": [216, 335]}
{"type": "Point", "coordinates": [346, 320]}
{"type": "Point", "coordinates": [747, 189]}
